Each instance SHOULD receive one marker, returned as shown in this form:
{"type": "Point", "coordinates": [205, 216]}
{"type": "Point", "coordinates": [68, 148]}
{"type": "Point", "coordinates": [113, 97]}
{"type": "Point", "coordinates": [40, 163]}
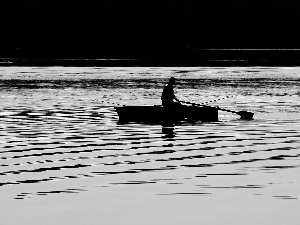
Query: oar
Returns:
{"type": "Point", "coordinates": [218, 99]}
{"type": "Point", "coordinates": [245, 115]}
{"type": "Point", "coordinates": [111, 104]}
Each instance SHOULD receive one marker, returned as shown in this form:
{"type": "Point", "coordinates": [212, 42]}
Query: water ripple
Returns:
{"type": "Point", "coordinates": [64, 128]}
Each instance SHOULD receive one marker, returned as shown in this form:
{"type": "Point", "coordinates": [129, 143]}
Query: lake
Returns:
{"type": "Point", "coordinates": [65, 159]}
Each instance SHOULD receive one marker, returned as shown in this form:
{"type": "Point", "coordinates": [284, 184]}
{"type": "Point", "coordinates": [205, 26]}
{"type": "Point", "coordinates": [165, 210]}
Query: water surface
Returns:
{"type": "Point", "coordinates": [64, 157]}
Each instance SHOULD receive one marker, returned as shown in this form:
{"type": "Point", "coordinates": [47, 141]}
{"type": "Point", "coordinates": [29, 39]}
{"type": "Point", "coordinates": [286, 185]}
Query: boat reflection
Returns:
{"type": "Point", "coordinates": [168, 131]}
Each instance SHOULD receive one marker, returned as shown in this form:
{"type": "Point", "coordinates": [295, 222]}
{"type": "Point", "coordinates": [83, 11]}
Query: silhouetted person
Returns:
{"type": "Point", "coordinates": [168, 95]}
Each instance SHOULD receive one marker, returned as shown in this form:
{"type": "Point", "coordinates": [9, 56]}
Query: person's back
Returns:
{"type": "Point", "coordinates": [168, 94]}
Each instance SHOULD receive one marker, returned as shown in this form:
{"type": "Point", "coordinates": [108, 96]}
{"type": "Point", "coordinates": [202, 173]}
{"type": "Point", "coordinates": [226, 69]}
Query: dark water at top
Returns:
{"type": "Point", "coordinates": [59, 135]}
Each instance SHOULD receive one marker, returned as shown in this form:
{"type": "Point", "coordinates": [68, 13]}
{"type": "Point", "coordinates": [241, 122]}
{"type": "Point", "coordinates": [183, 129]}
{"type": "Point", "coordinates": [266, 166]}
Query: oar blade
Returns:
{"type": "Point", "coordinates": [245, 115]}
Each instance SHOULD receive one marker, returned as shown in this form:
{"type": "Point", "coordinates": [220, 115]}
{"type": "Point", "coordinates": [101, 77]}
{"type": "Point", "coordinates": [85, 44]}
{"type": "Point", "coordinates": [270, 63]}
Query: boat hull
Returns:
{"type": "Point", "coordinates": [159, 114]}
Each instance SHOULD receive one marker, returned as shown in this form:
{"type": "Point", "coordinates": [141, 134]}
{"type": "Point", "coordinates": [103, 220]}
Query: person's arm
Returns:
{"type": "Point", "coordinates": [176, 99]}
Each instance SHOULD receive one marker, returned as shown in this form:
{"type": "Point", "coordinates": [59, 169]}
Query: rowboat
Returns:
{"type": "Point", "coordinates": [159, 114]}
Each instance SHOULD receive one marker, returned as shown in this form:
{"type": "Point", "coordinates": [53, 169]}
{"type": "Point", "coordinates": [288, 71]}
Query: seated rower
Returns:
{"type": "Point", "coordinates": [168, 95]}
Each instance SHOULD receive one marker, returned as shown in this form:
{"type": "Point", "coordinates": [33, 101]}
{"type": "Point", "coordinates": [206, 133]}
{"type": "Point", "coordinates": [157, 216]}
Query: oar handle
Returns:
{"type": "Point", "coordinates": [227, 110]}
{"type": "Point", "coordinates": [191, 103]}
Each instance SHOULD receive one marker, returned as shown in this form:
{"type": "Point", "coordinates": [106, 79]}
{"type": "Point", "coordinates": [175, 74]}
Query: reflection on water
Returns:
{"type": "Point", "coordinates": [168, 131]}
{"type": "Point", "coordinates": [58, 126]}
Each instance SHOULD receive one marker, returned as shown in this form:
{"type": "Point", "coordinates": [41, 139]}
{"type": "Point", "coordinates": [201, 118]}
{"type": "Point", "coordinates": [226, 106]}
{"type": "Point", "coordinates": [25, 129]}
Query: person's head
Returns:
{"type": "Point", "coordinates": [172, 81]}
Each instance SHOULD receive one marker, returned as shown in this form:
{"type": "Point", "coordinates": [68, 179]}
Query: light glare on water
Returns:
{"type": "Point", "coordinates": [64, 157]}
